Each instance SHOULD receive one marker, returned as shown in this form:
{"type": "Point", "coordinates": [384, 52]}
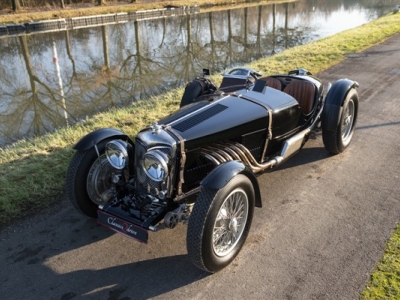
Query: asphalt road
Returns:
{"type": "Point", "coordinates": [320, 233]}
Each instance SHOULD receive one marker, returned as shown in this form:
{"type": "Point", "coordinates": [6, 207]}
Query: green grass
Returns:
{"type": "Point", "coordinates": [385, 280]}
{"type": "Point", "coordinates": [327, 52]}
{"type": "Point", "coordinates": [32, 172]}
{"type": "Point", "coordinates": [46, 13]}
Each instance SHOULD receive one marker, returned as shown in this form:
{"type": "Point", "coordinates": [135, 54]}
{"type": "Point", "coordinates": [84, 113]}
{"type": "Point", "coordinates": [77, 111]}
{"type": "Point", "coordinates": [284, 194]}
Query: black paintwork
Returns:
{"type": "Point", "coordinates": [234, 115]}
{"type": "Point", "coordinates": [261, 120]}
{"type": "Point", "coordinates": [95, 137]}
{"type": "Point", "coordinates": [334, 102]}
{"type": "Point", "coordinates": [222, 174]}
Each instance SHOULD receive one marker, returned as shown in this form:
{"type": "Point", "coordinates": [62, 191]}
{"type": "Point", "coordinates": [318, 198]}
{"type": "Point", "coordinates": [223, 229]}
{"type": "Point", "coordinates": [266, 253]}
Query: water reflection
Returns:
{"type": "Point", "coordinates": [50, 80]}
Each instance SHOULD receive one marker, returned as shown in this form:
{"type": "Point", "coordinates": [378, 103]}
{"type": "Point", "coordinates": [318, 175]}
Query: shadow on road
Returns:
{"type": "Point", "coordinates": [378, 125]}
{"type": "Point", "coordinates": [67, 256]}
{"type": "Point", "coordinates": [147, 278]}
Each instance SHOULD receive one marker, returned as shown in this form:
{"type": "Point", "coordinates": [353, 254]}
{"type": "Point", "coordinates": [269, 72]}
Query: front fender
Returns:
{"type": "Point", "coordinates": [93, 138]}
{"type": "Point", "coordinates": [222, 174]}
{"type": "Point", "coordinates": [334, 103]}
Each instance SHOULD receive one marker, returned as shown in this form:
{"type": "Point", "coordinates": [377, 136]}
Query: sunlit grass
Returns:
{"type": "Point", "coordinates": [32, 171]}
{"type": "Point", "coordinates": [385, 280]}
{"type": "Point", "coordinates": [329, 51]}
{"type": "Point", "coordinates": [71, 11]}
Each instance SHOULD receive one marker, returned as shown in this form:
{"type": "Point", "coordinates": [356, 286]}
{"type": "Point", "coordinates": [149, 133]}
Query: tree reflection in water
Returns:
{"type": "Point", "coordinates": [113, 65]}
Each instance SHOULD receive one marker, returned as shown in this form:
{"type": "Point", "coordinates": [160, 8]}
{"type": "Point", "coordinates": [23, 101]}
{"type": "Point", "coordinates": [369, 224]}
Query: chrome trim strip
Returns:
{"type": "Point", "coordinates": [183, 157]}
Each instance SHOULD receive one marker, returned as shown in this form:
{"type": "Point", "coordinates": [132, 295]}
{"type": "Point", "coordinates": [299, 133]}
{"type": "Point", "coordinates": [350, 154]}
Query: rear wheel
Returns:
{"type": "Point", "coordinates": [338, 139]}
{"type": "Point", "coordinates": [88, 180]}
{"type": "Point", "coordinates": [219, 224]}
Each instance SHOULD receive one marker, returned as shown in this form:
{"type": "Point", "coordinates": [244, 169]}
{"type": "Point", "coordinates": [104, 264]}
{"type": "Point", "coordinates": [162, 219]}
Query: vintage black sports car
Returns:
{"type": "Point", "coordinates": [200, 164]}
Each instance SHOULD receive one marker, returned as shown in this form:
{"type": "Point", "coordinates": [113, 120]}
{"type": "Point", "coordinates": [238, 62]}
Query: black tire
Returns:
{"type": "Point", "coordinates": [338, 139]}
{"type": "Point", "coordinates": [88, 180]}
{"type": "Point", "coordinates": [211, 225]}
{"type": "Point", "coordinates": [192, 91]}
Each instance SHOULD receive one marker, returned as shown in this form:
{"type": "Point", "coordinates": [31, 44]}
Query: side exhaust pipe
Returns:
{"type": "Point", "coordinates": [223, 152]}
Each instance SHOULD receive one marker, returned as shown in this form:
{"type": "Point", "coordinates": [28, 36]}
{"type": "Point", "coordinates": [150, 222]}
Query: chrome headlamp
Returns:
{"type": "Point", "coordinates": [155, 164]}
{"type": "Point", "coordinates": [117, 153]}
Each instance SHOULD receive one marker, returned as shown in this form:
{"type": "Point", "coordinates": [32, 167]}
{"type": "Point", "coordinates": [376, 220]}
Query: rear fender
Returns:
{"type": "Point", "coordinates": [222, 174]}
{"type": "Point", "coordinates": [334, 103]}
{"type": "Point", "coordinates": [93, 138]}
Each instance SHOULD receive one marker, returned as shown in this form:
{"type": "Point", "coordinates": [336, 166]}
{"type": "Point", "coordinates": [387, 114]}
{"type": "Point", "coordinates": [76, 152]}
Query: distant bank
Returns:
{"type": "Point", "coordinates": [89, 21]}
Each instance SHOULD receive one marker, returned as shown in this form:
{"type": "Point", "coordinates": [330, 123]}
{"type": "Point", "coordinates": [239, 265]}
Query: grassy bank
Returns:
{"type": "Point", "coordinates": [385, 280]}
{"type": "Point", "coordinates": [75, 10]}
{"type": "Point", "coordinates": [32, 172]}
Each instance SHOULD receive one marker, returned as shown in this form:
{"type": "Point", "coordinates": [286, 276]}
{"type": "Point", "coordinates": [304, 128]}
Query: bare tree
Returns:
{"type": "Point", "coordinates": [101, 2]}
{"type": "Point", "coordinates": [62, 4]}
{"type": "Point", "coordinates": [15, 5]}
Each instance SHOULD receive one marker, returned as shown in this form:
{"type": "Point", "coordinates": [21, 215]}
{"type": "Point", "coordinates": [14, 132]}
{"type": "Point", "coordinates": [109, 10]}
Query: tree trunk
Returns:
{"type": "Point", "coordinates": [15, 5]}
{"type": "Point", "coordinates": [62, 4]}
{"type": "Point", "coordinates": [101, 2]}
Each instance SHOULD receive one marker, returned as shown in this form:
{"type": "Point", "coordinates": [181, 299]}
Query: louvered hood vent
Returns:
{"type": "Point", "coordinates": [199, 118]}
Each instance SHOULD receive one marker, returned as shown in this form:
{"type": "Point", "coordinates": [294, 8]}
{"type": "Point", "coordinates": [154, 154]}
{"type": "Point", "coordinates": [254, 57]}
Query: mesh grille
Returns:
{"type": "Point", "coordinates": [197, 173]}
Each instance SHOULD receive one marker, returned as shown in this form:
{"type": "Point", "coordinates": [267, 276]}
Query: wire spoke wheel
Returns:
{"type": "Point", "coordinates": [230, 222]}
{"type": "Point", "coordinates": [99, 186]}
{"type": "Point", "coordinates": [338, 125]}
{"type": "Point", "coordinates": [89, 180]}
{"type": "Point", "coordinates": [219, 224]}
{"type": "Point", "coordinates": [347, 121]}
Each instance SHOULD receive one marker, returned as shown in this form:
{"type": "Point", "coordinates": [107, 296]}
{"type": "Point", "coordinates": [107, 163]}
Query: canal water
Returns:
{"type": "Point", "coordinates": [54, 79]}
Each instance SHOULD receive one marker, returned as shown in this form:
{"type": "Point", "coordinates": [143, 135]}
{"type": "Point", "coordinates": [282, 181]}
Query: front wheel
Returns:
{"type": "Point", "coordinates": [88, 180]}
{"type": "Point", "coordinates": [219, 224]}
{"type": "Point", "coordinates": [338, 139]}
